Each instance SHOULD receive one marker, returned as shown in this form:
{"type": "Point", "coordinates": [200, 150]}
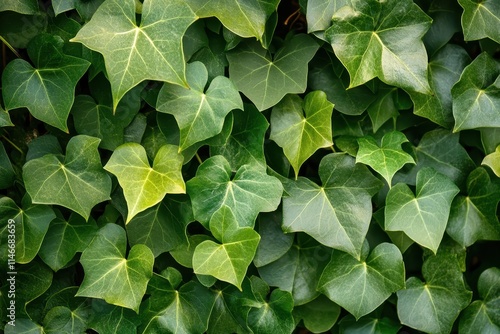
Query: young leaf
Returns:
{"type": "Point", "coordinates": [423, 216]}
{"type": "Point", "coordinates": [382, 39]}
{"type": "Point", "coordinates": [386, 158]}
{"type": "Point", "coordinates": [109, 275]}
{"type": "Point", "coordinates": [199, 114]}
{"type": "Point", "coordinates": [143, 185]}
{"type": "Point", "coordinates": [265, 80]}
{"type": "Point", "coordinates": [492, 160]}
{"type": "Point", "coordinates": [249, 192]}
{"type": "Point", "coordinates": [338, 213]}
{"type": "Point", "coordinates": [476, 96]}
{"type": "Point", "coordinates": [481, 19]}
{"type": "Point", "coordinates": [361, 286]}
{"type": "Point", "coordinates": [229, 260]}
{"type": "Point", "coordinates": [302, 127]}
{"type": "Point", "coordinates": [51, 83]}
{"type": "Point", "coordinates": [76, 182]}
{"type": "Point", "coordinates": [134, 53]}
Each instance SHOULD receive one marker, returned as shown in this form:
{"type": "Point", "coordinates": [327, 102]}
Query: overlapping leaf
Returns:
{"type": "Point", "coordinates": [29, 7]}
{"type": "Point", "coordinates": [481, 19]}
{"type": "Point", "coordinates": [382, 39]}
{"type": "Point", "coordinates": [199, 114]}
{"type": "Point", "coordinates": [274, 243]}
{"type": "Point", "coordinates": [6, 171]}
{"type": "Point", "coordinates": [76, 181]}
{"type": "Point", "coordinates": [318, 315]}
{"type": "Point", "coordinates": [112, 319]}
{"type": "Point", "coordinates": [133, 52]}
{"type": "Point", "coordinates": [111, 276]}
{"type": "Point", "coordinates": [320, 12]}
{"type": "Point", "coordinates": [492, 160]}
{"type": "Point", "coordinates": [143, 185]}
{"type": "Point", "coordinates": [302, 127]}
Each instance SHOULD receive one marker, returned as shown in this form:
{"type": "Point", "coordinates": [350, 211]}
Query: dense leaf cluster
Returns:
{"type": "Point", "coordinates": [191, 166]}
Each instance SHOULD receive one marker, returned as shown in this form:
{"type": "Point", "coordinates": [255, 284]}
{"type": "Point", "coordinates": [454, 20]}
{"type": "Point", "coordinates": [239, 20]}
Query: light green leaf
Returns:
{"type": "Point", "coordinates": [112, 319]}
{"type": "Point", "coordinates": [143, 185]}
{"type": "Point", "coordinates": [476, 96]}
{"type": "Point", "coordinates": [360, 286]}
{"type": "Point", "coordinates": [473, 217]}
{"type": "Point", "coordinates": [249, 192]}
{"type": "Point", "coordinates": [302, 127]}
{"type": "Point", "coordinates": [265, 80]}
{"type": "Point", "coordinates": [423, 216]}
{"type": "Point", "coordinates": [76, 182]}
{"type": "Point", "coordinates": [28, 7]}
{"type": "Point", "coordinates": [245, 18]}
{"type": "Point", "coordinates": [384, 40]}
{"type": "Point", "coordinates": [338, 213]}
{"type": "Point", "coordinates": [320, 12]}
{"type": "Point", "coordinates": [318, 315]}
{"type": "Point", "coordinates": [439, 300]}
{"type": "Point", "coordinates": [492, 160]}
{"type": "Point", "coordinates": [7, 173]}
{"type": "Point", "coordinates": [483, 316]}
{"type": "Point", "coordinates": [24, 326]}
{"type": "Point", "coordinates": [490, 138]}
{"type": "Point", "coordinates": [109, 275]}
{"type": "Point", "coordinates": [386, 158]}
{"type": "Point", "coordinates": [134, 53]}
{"type": "Point", "coordinates": [480, 19]}
{"type": "Point", "coordinates": [199, 114]}
{"type": "Point", "coordinates": [445, 68]}
{"type": "Point", "coordinates": [64, 239]}
{"type": "Point", "coordinates": [368, 325]}
{"type": "Point", "coordinates": [229, 260]}
{"type": "Point", "coordinates": [48, 89]}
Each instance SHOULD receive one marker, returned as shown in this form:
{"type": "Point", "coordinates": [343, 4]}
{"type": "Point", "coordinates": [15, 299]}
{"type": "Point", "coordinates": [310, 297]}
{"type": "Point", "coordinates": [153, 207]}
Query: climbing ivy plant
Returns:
{"type": "Point", "coordinates": [253, 166]}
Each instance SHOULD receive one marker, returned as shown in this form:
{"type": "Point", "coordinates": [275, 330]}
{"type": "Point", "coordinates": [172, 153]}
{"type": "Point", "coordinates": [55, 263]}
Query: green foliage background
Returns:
{"type": "Point", "coordinates": [191, 166]}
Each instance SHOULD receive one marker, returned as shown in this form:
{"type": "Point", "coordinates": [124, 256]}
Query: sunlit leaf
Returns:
{"type": "Point", "coordinates": [492, 160]}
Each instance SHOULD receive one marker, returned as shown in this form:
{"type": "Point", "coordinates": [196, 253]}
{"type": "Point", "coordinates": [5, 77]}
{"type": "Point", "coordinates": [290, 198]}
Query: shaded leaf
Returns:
{"type": "Point", "coordinates": [384, 107]}
{"type": "Point", "coordinates": [368, 325]}
{"type": "Point", "coordinates": [445, 16]}
{"type": "Point", "coordinates": [481, 19]}
{"type": "Point", "coordinates": [6, 171]}
{"type": "Point", "coordinates": [492, 160]}
{"type": "Point", "coordinates": [5, 118]}
{"type": "Point", "coordinates": [61, 319]}
{"type": "Point", "coordinates": [112, 319]}
{"type": "Point", "coordinates": [28, 7]}
{"type": "Point", "coordinates": [318, 315]}
{"type": "Point", "coordinates": [32, 280]}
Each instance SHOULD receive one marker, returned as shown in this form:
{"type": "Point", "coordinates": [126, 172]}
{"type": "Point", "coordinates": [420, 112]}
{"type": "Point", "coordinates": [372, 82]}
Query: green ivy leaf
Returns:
{"type": "Point", "coordinates": [229, 260]}
{"type": "Point", "coordinates": [24, 325]}
{"type": "Point", "coordinates": [338, 213]}
{"type": "Point", "coordinates": [319, 13]}
{"type": "Point", "coordinates": [221, 320]}
{"type": "Point", "coordinates": [369, 325]}
{"type": "Point", "coordinates": [302, 127]}
{"type": "Point", "coordinates": [423, 216]}
{"type": "Point", "coordinates": [445, 16]}
{"type": "Point", "coordinates": [48, 89]}
{"type": "Point", "coordinates": [274, 316]}
{"type": "Point", "coordinates": [386, 158]}
{"type": "Point", "coordinates": [76, 181]}
{"type": "Point", "coordinates": [360, 286]}
{"type": "Point", "coordinates": [61, 319]}
{"type": "Point", "coordinates": [28, 7]}
{"type": "Point", "coordinates": [109, 275]}
{"type": "Point", "coordinates": [439, 300]}
{"type": "Point", "coordinates": [483, 316]}
{"type": "Point", "coordinates": [492, 160]}
{"type": "Point", "coordinates": [143, 185]}
{"type": "Point", "coordinates": [480, 19]}
{"type": "Point", "coordinates": [32, 281]}
{"type": "Point", "coordinates": [5, 118]}
{"type": "Point", "coordinates": [318, 315]}
{"type": "Point", "coordinates": [199, 114]}
{"type": "Point", "coordinates": [85, 8]}
{"type": "Point", "coordinates": [476, 96]}
{"type": "Point", "coordinates": [7, 173]}
{"type": "Point", "coordinates": [112, 319]}
{"type": "Point", "coordinates": [249, 192]}
{"type": "Point", "coordinates": [134, 53]}
{"type": "Point", "coordinates": [384, 40]}
{"type": "Point", "coordinates": [266, 80]}
{"type": "Point", "coordinates": [384, 107]}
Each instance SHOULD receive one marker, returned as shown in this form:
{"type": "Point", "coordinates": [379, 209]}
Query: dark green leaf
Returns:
{"type": "Point", "coordinates": [481, 19]}
{"type": "Point", "coordinates": [318, 315]}
{"type": "Point", "coordinates": [6, 171]}
{"type": "Point", "coordinates": [112, 319]}
{"type": "Point", "coordinates": [368, 325]}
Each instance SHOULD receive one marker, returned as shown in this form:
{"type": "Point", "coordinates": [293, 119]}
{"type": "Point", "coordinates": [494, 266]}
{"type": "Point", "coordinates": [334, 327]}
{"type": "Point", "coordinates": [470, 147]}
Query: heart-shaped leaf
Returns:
{"type": "Point", "coordinates": [492, 160]}
{"type": "Point", "coordinates": [382, 39]}
{"type": "Point", "coordinates": [266, 80]}
{"type": "Point", "coordinates": [423, 216]}
{"type": "Point", "coordinates": [133, 52]}
{"type": "Point", "coordinates": [302, 127]}
{"type": "Point", "coordinates": [143, 185]}
{"type": "Point", "coordinates": [199, 114]}
{"type": "Point", "coordinates": [77, 181]}
{"type": "Point", "coordinates": [111, 276]}
{"type": "Point", "coordinates": [480, 19]}
{"type": "Point", "coordinates": [360, 286]}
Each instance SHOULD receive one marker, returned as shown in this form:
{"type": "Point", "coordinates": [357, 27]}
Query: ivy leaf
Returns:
{"type": "Point", "coordinates": [5, 118]}
{"type": "Point", "coordinates": [7, 173]}
{"type": "Point", "coordinates": [61, 319]}
{"type": "Point", "coordinates": [492, 160]}
{"type": "Point", "coordinates": [384, 40]}
{"type": "Point", "coordinates": [482, 316]}
{"type": "Point", "coordinates": [386, 158]}
{"type": "Point", "coordinates": [143, 185]}
{"type": "Point", "coordinates": [48, 89]}
{"type": "Point", "coordinates": [199, 114]}
{"type": "Point", "coordinates": [109, 275]}
{"type": "Point", "coordinates": [439, 300]}
{"type": "Point", "coordinates": [28, 7]}
{"type": "Point", "coordinates": [473, 217]}
{"type": "Point", "coordinates": [423, 216]}
{"type": "Point", "coordinates": [319, 13]}
{"type": "Point", "coordinates": [76, 182]}
{"type": "Point", "coordinates": [338, 213]}
{"type": "Point", "coordinates": [384, 107]}
{"type": "Point", "coordinates": [318, 315]}
{"type": "Point", "coordinates": [229, 260]}
{"type": "Point", "coordinates": [112, 319]}
{"type": "Point", "coordinates": [249, 192]}
{"type": "Point", "coordinates": [360, 286]}
{"type": "Point", "coordinates": [221, 320]}
{"type": "Point", "coordinates": [480, 19]}
{"type": "Point", "coordinates": [266, 80]}
{"type": "Point", "coordinates": [302, 127]}
{"type": "Point", "coordinates": [274, 316]}
{"type": "Point", "coordinates": [245, 18]}
{"type": "Point", "coordinates": [134, 53]}
{"type": "Point", "coordinates": [369, 325]}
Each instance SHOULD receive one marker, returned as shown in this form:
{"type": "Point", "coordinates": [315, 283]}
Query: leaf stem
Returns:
{"type": "Point", "coordinates": [332, 148]}
{"type": "Point", "coordinates": [198, 158]}
{"type": "Point", "coordinates": [4, 41]}
{"type": "Point", "coordinates": [13, 145]}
